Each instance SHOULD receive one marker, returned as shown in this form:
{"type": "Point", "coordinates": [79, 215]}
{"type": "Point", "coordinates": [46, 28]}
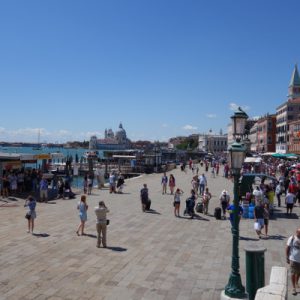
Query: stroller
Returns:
{"type": "Point", "coordinates": [189, 209]}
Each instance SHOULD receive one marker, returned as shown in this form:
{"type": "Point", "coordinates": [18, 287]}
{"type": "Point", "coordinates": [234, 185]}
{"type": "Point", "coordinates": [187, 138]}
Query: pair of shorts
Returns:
{"type": "Point", "coordinates": [289, 205]}
{"type": "Point", "coordinates": [295, 267]}
{"type": "Point", "coordinates": [266, 222]}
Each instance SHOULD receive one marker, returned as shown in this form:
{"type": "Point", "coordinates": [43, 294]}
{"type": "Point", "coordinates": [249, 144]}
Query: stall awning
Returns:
{"type": "Point", "coordinates": [42, 156]}
{"type": "Point", "coordinates": [252, 160]}
{"type": "Point", "coordinates": [9, 156]}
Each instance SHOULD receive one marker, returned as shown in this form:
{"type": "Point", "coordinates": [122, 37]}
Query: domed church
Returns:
{"type": "Point", "coordinates": [111, 141]}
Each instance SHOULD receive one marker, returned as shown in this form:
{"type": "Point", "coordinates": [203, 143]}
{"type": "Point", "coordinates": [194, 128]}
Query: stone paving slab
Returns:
{"type": "Point", "coordinates": [149, 255]}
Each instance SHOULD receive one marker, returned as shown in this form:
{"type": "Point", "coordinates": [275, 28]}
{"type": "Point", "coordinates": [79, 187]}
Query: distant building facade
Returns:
{"type": "Point", "coordinates": [111, 141]}
{"type": "Point", "coordinates": [287, 113]}
{"type": "Point", "coordinates": [253, 138]}
{"type": "Point", "coordinates": [266, 134]}
{"type": "Point", "coordinates": [294, 137]}
{"type": "Point", "coordinates": [213, 143]}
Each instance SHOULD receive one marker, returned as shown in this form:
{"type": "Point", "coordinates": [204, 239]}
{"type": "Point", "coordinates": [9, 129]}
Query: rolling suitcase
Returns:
{"type": "Point", "coordinates": [199, 207]}
{"type": "Point", "coordinates": [218, 213]}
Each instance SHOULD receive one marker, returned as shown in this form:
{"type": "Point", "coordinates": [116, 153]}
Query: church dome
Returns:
{"type": "Point", "coordinates": [121, 134]}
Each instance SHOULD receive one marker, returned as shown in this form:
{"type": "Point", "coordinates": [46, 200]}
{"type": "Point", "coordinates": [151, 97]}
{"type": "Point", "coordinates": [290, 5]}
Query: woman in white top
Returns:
{"type": "Point", "coordinates": [177, 195]}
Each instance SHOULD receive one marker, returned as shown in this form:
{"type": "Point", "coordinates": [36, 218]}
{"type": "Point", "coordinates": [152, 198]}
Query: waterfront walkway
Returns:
{"type": "Point", "coordinates": [149, 255]}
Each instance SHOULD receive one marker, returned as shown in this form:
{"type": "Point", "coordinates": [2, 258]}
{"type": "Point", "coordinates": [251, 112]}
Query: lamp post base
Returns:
{"type": "Point", "coordinates": [223, 296]}
{"type": "Point", "coordinates": [234, 288]}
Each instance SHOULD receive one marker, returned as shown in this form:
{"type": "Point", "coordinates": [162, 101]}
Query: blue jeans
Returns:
{"type": "Point", "coordinates": [201, 188]}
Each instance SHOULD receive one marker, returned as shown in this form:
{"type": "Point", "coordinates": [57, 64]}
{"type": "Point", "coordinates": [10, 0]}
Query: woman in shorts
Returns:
{"type": "Point", "coordinates": [177, 195]}
{"type": "Point", "coordinates": [82, 207]}
{"type": "Point", "coordinates": [31, 214]}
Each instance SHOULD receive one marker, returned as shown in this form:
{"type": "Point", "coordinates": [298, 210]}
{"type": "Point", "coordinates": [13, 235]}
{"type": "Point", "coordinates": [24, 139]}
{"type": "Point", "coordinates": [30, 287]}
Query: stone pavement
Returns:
{"type": "Point", "coordinates": [149, 255]}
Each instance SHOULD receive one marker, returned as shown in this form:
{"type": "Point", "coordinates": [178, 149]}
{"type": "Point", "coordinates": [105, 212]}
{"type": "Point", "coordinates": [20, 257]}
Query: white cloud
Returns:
{"type": "Point", "coordinates": [211, 116]}
{"type": "Point", "coordinates": [30, 135]}
{"type": "Point", "coordinates": [189, 127]}
{"type": "Point", "coordinates": [165, 125]}
{"type": "Point", "coordinates": [233, 106]}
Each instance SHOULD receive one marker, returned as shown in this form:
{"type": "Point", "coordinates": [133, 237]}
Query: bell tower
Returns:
{"type": "Point", "coordinates": [294, 86]}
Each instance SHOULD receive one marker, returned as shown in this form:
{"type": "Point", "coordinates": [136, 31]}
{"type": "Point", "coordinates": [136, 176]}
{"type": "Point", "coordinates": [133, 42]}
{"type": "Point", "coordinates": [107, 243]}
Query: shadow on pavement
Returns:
{"type": "Point", "coordinates": [282, 215]}
{"type": "Point", "coordinates": [12, 198]}
{"type": "Point", "coordinates": [276, 237]}
{"type": "Point", "coordinates": [41, 235]}
{"type": "Point", "coordinates": [242, 238]}
{"type": "Point", "coordinates": [197, 217]}
{"type": "Point", "coordinates": [152, 211]}
{"type": "Point", "coordinates": [117, 249]}
{"type": "Point", "coordinates": [90, 235]}
{"type": "Point", "coordinates": [123, 193]}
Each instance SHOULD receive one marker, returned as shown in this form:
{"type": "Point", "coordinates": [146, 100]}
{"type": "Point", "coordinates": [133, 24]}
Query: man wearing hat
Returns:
{"type": "Point", "coordinates": [224, 200]}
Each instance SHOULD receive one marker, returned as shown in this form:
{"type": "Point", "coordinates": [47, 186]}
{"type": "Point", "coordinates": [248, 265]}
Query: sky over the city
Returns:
{"type": "Point", "coordinates": [69, 69]}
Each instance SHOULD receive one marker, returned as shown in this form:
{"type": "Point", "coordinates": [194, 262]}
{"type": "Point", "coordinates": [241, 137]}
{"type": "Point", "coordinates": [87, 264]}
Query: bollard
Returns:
{"type": "Point", "coordinates": [255, 269]}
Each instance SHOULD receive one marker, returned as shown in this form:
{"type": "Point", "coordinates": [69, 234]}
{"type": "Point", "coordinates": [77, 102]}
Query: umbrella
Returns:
{"type": "Point", "coordinates": [278, 155]}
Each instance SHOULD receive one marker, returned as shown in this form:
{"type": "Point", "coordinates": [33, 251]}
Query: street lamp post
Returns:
{"type": "Point", "coordinates": [237, 151]}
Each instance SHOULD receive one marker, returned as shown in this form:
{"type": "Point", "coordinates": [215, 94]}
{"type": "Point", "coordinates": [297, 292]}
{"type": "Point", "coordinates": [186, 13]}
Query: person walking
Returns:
{"type": "Point", "coordinates": [82, 207]}
{"type": "Point", "coordinates": [289, 201]}
{"type": "Point", "coordinates": [259, 218]}
{"type": "Point", "coordinates": [31, 213]}
{"type": "Point", "coordinates": [5, 187]}
{"type": "Point", "coordinates": [120, 184]}
{"type": "Point", "coordinates": [89, 184]}
{"type": "Point", "coordinates": [258, 195]}
{"type": "Point", "coordinates": [164, 182]}
{"type": "Point", "coordinates": [205, 200]}
{"type": "Point", "coordinates": [85, 184]}
{"type": "Point", "coordinates": [278, 190]}
{"type": "Point", "coordinates": [213, 172]}
{"type": "Point", "coordinates": [144, 195]}
{"type": "Point", "coordinates": [43, 190]}
{"type": "Point", "coordinates": [101, 225]}
{"type": "Point", "coordinates": [177, 195]}
{"type": "Point", "coordinates": [195, 183]}
{"type": "Point", "coordinates": [112, 183]}
{"type": "Point", "coordinates": [202, 184]}
{"type": "Point", "coordinates": [230, 210]}
{"type": "Point", "coordinates": [266, 218]}
{"type": "Point", "coordinates": [172, 183]}
{"type": "Point", "coordinates": [224, 201]}
{"type": "Point", "coordinates": [293, 258]}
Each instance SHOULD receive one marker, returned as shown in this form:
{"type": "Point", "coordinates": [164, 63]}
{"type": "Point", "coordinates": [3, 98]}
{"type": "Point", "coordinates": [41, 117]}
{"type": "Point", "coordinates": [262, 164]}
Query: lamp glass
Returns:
{"type": "Point", "coordinates": [237, 159]}
{"type": "Point", "coordinates": [238, 125]}
{"type": "Point", "coordinates": [236, 156]}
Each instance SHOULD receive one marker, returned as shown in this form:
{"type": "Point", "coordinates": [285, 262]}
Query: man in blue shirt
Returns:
{"type": "Point", "coordinates": [230, 209]}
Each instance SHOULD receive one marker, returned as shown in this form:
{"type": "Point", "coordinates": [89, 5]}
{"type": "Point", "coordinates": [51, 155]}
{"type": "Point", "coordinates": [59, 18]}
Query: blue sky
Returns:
{"type": "Point", "coordinates": [163, 68]}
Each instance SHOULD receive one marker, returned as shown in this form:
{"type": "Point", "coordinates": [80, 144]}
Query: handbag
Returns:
{"type": "Point", "coordinates": [257, 226]}
{"type": "Point", "coordinates": [28, 216]}
{"type": "Point", "coordinates": [107, 222]}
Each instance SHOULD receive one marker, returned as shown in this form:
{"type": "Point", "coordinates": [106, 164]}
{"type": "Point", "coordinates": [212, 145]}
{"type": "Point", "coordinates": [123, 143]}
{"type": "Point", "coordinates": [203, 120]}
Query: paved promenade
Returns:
{"type": "Point", "coordinates": [149, 255]}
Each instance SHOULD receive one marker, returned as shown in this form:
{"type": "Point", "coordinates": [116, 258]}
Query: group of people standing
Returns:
{"type": "Point", "coordinates": [101, 221]}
